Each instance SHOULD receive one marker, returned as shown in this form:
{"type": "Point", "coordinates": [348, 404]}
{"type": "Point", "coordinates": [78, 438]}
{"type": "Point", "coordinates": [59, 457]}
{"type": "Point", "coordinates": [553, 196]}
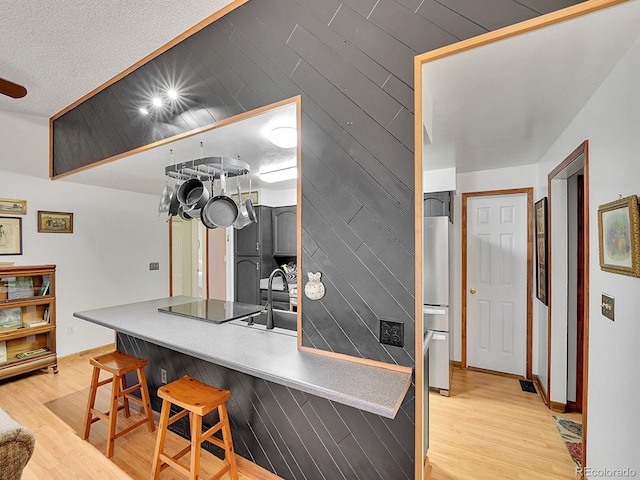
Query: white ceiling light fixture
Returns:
{"type": "Point", "coordinates": [172, 94]}
{"type": "Point", "coordinates": [144, 111]}
{"type": "Point", "coordinates": [280, 175]}
{"type": "Point", "coordinates": [283, 137]}
{"type": "Point", "coordinates": [157, 102]}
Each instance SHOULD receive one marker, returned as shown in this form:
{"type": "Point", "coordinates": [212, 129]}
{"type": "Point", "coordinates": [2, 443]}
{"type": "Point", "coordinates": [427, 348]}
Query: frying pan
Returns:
{"type": "Point", "coordinates": [221, 210]}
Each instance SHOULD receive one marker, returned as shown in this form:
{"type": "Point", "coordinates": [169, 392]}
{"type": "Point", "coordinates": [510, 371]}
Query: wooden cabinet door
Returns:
{"type": "Point", "coordinates": [247, 239]}
{"type": "Point", "coordinates": [247, 280]}
{"type": "Point", "coordinates": [284, 231]}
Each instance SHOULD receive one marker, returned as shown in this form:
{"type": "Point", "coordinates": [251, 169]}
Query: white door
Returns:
{"type": "Point", "coordinates": [497, 282]}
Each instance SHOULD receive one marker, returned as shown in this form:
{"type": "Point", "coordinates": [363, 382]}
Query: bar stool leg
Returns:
{"type": "Point", "coordinates": [91, 402]}
{"type": "Point", "coordinates": [230, 456]}
{"type": "Point", "coordinates": [113, 415]}
{"type": "Point", "coordinates": [162, 433]}
{"type": "Point", "coordinates": [146, 400]}
{"type": "Point", "coordinates": [196, 442]}
{"type": "Point", "coordinates": [125, 400]}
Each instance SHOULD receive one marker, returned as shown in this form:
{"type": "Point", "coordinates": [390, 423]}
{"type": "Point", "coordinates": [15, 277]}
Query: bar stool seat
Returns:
{"type": "Point", "coordinates": [118, 364]}
{"type": "Point", "coordinates": [197, 400]}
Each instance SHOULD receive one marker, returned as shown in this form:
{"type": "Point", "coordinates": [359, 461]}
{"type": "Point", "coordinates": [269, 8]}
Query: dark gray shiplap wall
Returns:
{"type": "Point", "coordinates": [352, 62]}
{"type": "Point", "coordinates": [290, 433]}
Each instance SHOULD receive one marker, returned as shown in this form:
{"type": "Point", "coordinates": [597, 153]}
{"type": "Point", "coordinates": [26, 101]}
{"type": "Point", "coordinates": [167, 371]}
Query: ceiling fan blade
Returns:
{"type": "Point", "coordinates": [12, 89]}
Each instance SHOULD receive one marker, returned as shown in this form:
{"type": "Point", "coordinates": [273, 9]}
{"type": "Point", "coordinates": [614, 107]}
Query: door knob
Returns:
{"type": "Point", "coordinates": [472, 291]}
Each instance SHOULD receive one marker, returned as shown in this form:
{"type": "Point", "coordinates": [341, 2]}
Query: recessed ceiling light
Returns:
{"type": "Point", "coordinates": [157, 101]}
{"type": "Point", "coordinates": [144, 111]}
{"type": "Point", "coordinates": [283, 137]}
{"type": "Point", "coordinates": [280, 175]}
{"type": "Point", "coordinates": [172, 94]}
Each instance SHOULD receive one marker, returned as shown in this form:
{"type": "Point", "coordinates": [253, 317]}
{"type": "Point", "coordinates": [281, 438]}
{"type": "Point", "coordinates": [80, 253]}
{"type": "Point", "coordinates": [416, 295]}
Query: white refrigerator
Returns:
{"type": "Point", "coordinates": [436, 240]}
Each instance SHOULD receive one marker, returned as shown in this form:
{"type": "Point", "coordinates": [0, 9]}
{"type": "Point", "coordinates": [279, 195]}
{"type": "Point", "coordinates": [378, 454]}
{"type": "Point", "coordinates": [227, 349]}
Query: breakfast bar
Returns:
{"type": "Point", "coordinates": [270, 355]}
{"type": "Point", "coordinates": [295, 413]}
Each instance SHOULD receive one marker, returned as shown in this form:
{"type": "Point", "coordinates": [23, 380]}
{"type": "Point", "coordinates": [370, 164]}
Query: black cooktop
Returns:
{"type": "Point", "coordinates": [215, 311]}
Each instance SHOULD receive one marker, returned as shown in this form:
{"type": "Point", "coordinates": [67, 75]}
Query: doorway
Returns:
{"type": "Point", "coordinates": [188, 251]}
{"type": "Point", "coordinates": [568, 309]}
{"type": "Point", "coordinates": [497, 269]}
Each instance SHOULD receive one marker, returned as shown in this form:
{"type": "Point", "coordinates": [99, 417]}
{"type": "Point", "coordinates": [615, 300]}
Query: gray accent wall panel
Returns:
{"type": "Point", "coordinates": [290, 433]}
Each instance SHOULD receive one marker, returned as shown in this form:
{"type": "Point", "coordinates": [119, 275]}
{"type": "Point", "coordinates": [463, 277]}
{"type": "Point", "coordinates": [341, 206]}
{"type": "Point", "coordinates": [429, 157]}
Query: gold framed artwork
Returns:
{"type": "Point", "coordinates": [55, 222]}
{"type": "Point", "coordinates": [10, 236]}
{"type": "Point", "coordinates": [252, 195]}
{"type": "Point", "coordinates": [13, 206]}
{"type": "Point", "coordinates": [541, 249]}
{"type": "Point", "coordinates": [619, 236]}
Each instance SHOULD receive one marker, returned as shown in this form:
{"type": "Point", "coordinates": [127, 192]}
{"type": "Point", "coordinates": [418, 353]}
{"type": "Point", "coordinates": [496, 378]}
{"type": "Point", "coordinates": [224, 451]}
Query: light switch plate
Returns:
{"type": "Point", "coordinates": [154, 266]}
{"type": "Point", "coordinates": [608, 306]}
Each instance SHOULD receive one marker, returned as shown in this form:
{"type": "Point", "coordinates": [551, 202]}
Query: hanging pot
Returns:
{"type": "Point", "coordinates": [192, 194]}
{"type": "Point", "coordinates": [221, 210]}
{"type": "Point", "coordinates": [165, 199]}
{"type": "Point", "coordinates": [243, 216]}
{"type": "Point", "coordinates": [183, 214]}
{"type": "Point", "coordinates": [174, 205]}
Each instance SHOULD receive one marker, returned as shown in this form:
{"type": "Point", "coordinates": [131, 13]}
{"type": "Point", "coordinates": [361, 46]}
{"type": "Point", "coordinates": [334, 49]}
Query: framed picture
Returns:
{"type": "Point", "coordinates": [542, 273]}
{"type": "Point", "coordinates": [55, 222]}
{"type": "Point", "coordinates": [13, 207]}
{"type": "Point", "coordinates": [253, 196]}
{"type": "Point", "coordinates": [10, 236]}
{"type": "Point", "coordinates": [11, 318]}
{"type": "Point", "coordinates": [618, 236]}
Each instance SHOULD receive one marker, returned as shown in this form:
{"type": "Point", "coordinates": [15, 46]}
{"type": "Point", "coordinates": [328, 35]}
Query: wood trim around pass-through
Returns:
{"type": "Point", "coordinates": [528, 191]}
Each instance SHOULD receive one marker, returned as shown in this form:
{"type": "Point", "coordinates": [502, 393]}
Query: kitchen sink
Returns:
{"type": "Point", "coordinates": [284, 321]}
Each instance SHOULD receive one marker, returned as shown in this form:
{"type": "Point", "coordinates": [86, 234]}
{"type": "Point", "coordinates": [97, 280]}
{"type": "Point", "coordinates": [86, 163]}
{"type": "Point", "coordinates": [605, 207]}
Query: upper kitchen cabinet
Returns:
{"type": "Point", "coordinates": [255, 238]}
{"type": "Point", "coordinates": [437, 204]}
{"type": "Point", "coordinates": [284, 231]}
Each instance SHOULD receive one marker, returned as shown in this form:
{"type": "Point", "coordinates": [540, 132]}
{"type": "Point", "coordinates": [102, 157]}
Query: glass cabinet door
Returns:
{"type": "Point", "coordinates": [24, 287]}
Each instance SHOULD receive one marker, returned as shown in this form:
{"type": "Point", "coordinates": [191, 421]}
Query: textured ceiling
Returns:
{"type": "Point", "coordinates": [505, 103]}
{"type": "Point", "coordinates": [62, 50]}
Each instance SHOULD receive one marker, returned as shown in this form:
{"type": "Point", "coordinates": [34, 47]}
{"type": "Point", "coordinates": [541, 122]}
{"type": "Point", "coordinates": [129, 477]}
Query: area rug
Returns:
{"type": "Point", "coordinates": [571, 433]}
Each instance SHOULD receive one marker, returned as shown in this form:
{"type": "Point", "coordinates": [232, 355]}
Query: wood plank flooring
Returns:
{"type": "Point", "coordinates": [490, 428]}
{"type": "Point", "coordinates": [487, 428]}
{"type": "Point", "coordinates": [53, 407]}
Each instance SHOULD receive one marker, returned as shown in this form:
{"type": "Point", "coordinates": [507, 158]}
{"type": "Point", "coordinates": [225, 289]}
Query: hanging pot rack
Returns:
{"type": "Point", "coordinates": [207, 168]}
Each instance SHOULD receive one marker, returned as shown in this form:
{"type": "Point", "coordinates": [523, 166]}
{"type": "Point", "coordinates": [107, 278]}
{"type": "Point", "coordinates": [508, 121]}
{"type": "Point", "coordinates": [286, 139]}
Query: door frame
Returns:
{"type": "Point", "coordinates": [529, 328]}
{"type": "Point", "coordinates": [582, 149]}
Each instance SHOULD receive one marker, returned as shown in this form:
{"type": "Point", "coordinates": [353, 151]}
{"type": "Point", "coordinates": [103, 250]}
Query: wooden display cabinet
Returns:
{"type": "Point", "coordinates": [27, 319]}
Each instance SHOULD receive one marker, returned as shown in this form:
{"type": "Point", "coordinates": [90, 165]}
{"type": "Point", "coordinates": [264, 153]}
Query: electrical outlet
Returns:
{"type": "Point", "coordinates": [392, 333]}
{"type": "Point", "coordinates": [70, 330]}
{"type": "Point", "coordinates": [163, 376]}
{"type": "Point", "coordinates": [154, 266]}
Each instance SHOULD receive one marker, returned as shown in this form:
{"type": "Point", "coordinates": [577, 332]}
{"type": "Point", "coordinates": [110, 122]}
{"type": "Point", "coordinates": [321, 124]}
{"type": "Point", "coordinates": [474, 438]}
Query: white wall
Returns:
{"type": "Point", "coordinates": [115, 235]}
{"type": "Point", "coordinates": [278, 198]}
{"type": "Point", "coordinates": [611, 122]}
{"type": "Point", "coordinates": [482, 180]}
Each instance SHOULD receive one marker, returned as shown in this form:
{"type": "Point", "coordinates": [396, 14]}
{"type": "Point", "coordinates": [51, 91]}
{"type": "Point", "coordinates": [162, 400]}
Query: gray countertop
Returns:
{"type": "Point", "coordinates": [270, 355]}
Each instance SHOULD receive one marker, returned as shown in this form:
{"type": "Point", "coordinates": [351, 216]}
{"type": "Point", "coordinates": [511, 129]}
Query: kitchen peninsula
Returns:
{"type": "Point", "coordinates": [284, 399]}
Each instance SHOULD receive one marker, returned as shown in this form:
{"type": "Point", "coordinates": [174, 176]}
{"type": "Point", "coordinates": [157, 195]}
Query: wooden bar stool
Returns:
{"type": "Point", "coordinates": [197, 400]}
{"type": "Point", "coordinates": [118, 364]}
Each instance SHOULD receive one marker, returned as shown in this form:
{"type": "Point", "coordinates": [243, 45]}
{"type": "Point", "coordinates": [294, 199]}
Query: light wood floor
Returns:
{"type": "Point", "coordinates": [490, 429]}
{"type": "Point", "coordinates": [61, 453]}
{"type": "Point", "coordinates": [487, 429]}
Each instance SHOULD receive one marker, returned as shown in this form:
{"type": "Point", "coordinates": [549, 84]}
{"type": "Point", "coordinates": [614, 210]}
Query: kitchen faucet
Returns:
{"type": "Point", "coordinates": [269, 307]}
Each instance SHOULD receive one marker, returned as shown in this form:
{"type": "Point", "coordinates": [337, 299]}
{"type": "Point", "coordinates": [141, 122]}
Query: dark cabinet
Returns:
{"type": "Point", "coordinates": [438, 204]}
{"type": "Point", "coordinates": [253, 256]}
{"type": "Point", "coordinates": [284, 231]}
{"type": "Point", "coordinates": [247, 280]}
{"type": "Point", "coordinates": [256, 238]}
